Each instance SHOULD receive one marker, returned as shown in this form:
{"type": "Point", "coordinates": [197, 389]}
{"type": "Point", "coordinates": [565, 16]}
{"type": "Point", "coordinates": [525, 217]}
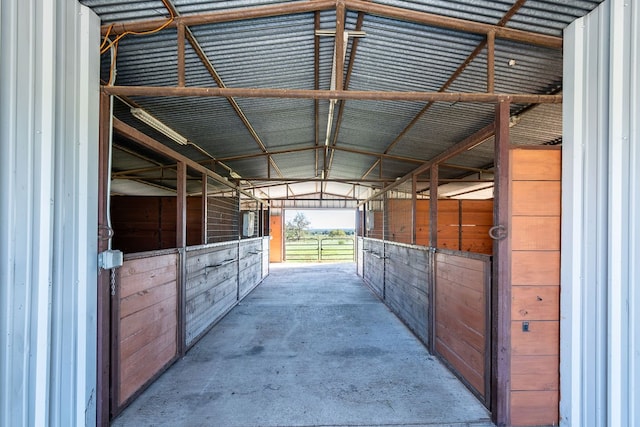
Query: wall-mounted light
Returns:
{"type": "Point", "coordinates": [147, 118]}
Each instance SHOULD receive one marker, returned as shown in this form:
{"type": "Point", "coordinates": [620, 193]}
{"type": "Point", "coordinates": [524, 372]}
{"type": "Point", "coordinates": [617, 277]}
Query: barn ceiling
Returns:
{"type": "Point", "coordinates": [326, 99]}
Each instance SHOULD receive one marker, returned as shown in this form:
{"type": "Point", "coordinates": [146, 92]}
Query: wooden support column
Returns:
{"type": "Point", "coordinates": [205, 207]}
{"type": "Point", "coordinates": [181, 60]}
{"type": "Point", "coordinates": [491, 55]}
{"type": "Point", "coordinates": [181, 206]}
{"type": "Point", "coordinates": [414, 206]}
{"type": "Point", "coordinates": [104, 294]}
{"type": "Point", "coordinates": [433, 206]}
{"type": "Point", "coordinates": [501, 295]}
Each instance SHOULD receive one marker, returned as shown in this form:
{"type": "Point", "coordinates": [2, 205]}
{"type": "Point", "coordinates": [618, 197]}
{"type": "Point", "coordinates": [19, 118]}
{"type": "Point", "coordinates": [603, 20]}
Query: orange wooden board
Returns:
{"type": "Point", "coordinates": [535, 268]}
{"type": "Point", "coordinates": [543, 338]}
{"type": "Point", "coordinates": [536, 165]}
{"type": "Point", "coordinates": [535, 373]}
{"type": "Point", "coordinates": [535, 198]}
{"type": "Point", "coordinates": [534, 408]}
{"type": "Point", "coordinates": [535, 233]}
{"type": "Point", "coordinates": [535, 303]}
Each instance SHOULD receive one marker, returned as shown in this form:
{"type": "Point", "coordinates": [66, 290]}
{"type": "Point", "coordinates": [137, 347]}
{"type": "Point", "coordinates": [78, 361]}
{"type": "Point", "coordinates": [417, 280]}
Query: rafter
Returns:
{"type": "Point", "coordinates": [450, 97]}
{"type": "Point", "coordinates": [291, 8]}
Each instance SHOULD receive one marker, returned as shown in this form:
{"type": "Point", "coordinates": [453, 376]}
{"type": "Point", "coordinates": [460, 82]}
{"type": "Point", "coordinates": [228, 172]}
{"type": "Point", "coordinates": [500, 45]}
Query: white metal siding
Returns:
{"type": "Point", "coordinates": [49, 66]}
{"type": "Point", "coordinates": [600, 333]}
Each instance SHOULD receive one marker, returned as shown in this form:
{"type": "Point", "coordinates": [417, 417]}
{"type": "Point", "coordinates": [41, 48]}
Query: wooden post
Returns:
{"type": "Point", "coordinates": [414, 206]}
{"type": "Point", "coordinates": [433, 206]}
{"type": "Point", "coordinates": [339, 45]}
{"type": "Point", "coordinates": [501, 294]}
{"type": "Point", "coordinates": [181, 206]}
{"type": "Point", "coordinates": [205, 207]}
{"type": "Point", "coordinates": [104, 296]}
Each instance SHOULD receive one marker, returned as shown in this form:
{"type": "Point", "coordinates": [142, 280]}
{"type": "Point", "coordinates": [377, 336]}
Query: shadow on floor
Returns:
{"type": "Point", "coordinates": [311, 346]}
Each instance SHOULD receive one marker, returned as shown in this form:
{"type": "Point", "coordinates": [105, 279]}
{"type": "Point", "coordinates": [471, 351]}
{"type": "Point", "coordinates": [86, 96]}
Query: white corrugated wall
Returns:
{"type": "Point", "coordinates": [600, 297]}
{"type": "Point", "coordinates": [49, 92]}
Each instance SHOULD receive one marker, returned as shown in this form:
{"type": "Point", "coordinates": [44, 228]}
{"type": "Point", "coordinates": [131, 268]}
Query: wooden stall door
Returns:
{"type": "Point", "coordinates": [462, 317]}
{"type": "Point", "coordinates": [144, 324]}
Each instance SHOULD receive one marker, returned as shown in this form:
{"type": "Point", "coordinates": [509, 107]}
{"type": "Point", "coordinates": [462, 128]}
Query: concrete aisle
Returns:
{"type": "Point", "coordinates": [311, 346]}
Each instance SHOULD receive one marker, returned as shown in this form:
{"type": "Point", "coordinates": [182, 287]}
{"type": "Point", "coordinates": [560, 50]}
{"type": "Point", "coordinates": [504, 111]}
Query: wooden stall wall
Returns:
{"type": "Point", "coordinates": [463, 225]}
{"type": "Point", "coordinates": [407, 270]}
{"type": "Point", "coordinates": [463, 316]}
{"type": "Point", "coordinates": [535, 279]}
{"type": "Point", "coordinates": [211, 287]}
{"type": "Point", "coordinates": [399, 220]}
{"type": "Point", "coordinates": [146, 322]}
{"type": "Point", "coordinates": [250, 266]}
{"type": "Point", "coordinates": [148, 223]}
{"type": "Point", "coordinates": [374, 260]}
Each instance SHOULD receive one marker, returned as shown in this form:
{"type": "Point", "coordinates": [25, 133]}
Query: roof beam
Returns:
{"type": "Point", "coordinates": [291, 8]}
{"type": "Point", "coordinates": [227, 92]}
{"type": "Point", "coordinates": [464, 25]}
{"type": "Point", "coordinates": [145, 140]}
{"type": "Point", "coordinates": [462, 146]}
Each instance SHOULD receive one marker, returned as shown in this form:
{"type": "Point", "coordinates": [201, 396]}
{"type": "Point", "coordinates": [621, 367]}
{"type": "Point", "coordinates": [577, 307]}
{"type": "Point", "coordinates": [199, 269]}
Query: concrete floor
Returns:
{"type": "Point", "coordinates": [311, 346]}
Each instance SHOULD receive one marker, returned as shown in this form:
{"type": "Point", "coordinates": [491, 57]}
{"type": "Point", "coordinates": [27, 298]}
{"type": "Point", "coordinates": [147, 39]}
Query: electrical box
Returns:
{"type": "Point", "coordinates": [110, 259]}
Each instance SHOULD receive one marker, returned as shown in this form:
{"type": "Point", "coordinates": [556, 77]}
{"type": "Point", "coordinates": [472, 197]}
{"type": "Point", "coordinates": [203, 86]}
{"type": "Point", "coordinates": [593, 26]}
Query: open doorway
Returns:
{"type": "Point", "coordinates": [314, 235]}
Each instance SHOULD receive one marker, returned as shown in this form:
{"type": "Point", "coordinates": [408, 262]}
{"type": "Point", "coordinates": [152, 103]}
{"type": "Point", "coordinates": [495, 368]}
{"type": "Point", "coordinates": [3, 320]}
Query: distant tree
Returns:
{"type": "Point", "coordinates": [337, 233]}
{"type": "Point", "coordinates": [296, 228]}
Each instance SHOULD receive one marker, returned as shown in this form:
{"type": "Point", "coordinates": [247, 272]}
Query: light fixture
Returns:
{"type": "Point", "coordinates": [147, 118]}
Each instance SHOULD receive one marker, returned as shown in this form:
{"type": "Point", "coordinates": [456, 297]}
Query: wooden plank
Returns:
{"type": "Point", "coordinates": [535, 373]}
{"type": "Point", "coordinates": [473, 377]}
{"type": "Point", "coordinates": [207, 318]}
{"type": "Point", "coordinates": [154, 327]}
{"type": "Point", "coordinates": [138, 321]}
{"type": "Point", "coordinates": [535, 303]}
{"type": "Point", "coordinates": [534, 408]}
{"type": "Point", "coordinates": [540, 268]}
{"type": "Point", "coordinates": [535, 233]}
{"type": "Point", "coordinates": [145, 265]}
{"type": "Point", "coordinates": [543, 338]}
{"type": "Point", "coordinates": [536, 198]}
{"type": "Point", "coordinates": [147, 298]}
{"type": "Point", "coordinates": [469, 279]}
{"type": "Point", "coordinates": [142, 366]}
{"type": "Point", "coordinates": [461, 261]}
{"type": "Point", "coordinates": [143, 281]}
{"type": "Point", "coordinates": [536, 165]}
{"type": "Point", "coordinates": [458, 329]}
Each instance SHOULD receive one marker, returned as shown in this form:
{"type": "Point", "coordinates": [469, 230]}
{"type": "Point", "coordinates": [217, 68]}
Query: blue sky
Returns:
{"type": "Point", "coordinates": [325, 218]}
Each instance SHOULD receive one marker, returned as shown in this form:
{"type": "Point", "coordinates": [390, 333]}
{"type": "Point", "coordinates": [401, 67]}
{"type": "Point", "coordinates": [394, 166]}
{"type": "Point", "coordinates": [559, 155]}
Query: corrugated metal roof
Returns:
{"type": "Point", "coordinates": [394, 55]}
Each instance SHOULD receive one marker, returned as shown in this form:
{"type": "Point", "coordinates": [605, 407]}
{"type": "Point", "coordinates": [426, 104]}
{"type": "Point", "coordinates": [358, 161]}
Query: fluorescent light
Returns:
{"type": "Point", "coordinates": [147, 118]}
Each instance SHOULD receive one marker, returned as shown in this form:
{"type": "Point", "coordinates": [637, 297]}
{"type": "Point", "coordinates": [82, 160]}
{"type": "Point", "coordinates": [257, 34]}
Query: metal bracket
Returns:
{"type": "Point", "coordinates": [498, 232]}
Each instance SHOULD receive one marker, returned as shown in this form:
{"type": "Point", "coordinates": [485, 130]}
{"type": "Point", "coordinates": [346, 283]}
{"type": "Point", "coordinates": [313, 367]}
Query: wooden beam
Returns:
{"type": "Point", "coordinates": [414, 207]}
{"type": "Point", "coordinates": [501, 295]}
{"type": "Point", "coordinates": [291, 8]}
{"type": "Point", "coordinates": [454, 23]}
{"type": "Point", "coordinates": [181, 61]}
{"type": "Point", "coordinates": [491, 55]}
{"type": "Point", "coordinates": [339, 45]}
{"type": "Point", "coordinates": [450, 97]}
{"type": "Point", "coordinates": [239, 14]}
{"type": "Point", "coordinates": [462, 146]}
{"type": "Point", "coordinates": [145, 140]}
